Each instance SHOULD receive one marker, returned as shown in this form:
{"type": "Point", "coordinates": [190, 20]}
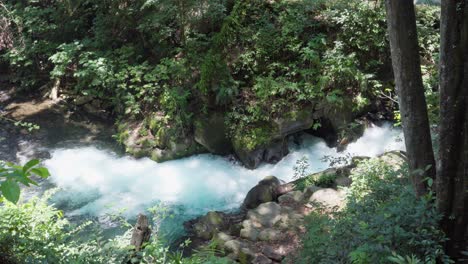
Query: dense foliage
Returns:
{"type": "Point", "coordinates": [36, 232]}
{"type": "Point", "coordinates": [164, 61]}
{"type": "Point", "coordinates": [383, 222]}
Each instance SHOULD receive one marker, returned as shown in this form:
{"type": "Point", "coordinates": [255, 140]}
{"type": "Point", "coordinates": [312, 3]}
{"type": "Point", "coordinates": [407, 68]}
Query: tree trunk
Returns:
{"type": "Point", "coordinates": [452, 170]}
{"type": "Point", "coordinates": [141, 232]}
{"type": "Point", "coordinates": [401, 21]}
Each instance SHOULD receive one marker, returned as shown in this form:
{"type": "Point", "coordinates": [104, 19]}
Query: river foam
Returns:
{"type": "Point", "coordinates": [95, 181]}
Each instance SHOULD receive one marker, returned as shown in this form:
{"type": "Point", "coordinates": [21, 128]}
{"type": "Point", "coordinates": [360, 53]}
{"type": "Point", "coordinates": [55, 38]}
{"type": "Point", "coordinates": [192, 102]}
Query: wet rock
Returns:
{"type": "Point", "coordinates": [209, 225]}
{"type": "Point", "coordinates": [350, 133]}
{"type": "Point", "coordinates": [140, 143]}
{"type": "Point", "coordinates": [211, 133]}
{"type": "Point", "coordinates": [326, 131]}
{"type": "Point", "coordinates": [295, 121]}
{"type": "Point", "coordinates": [276, 151]}
{"type": "Point", "coordinates": [264, 191]}
{"type": "Point", "coordinates": [266, 142]}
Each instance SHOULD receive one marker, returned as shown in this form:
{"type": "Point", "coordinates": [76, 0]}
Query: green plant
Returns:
{"type": "Point", "coordinates": [382, 216]}
{"type": "Point", "coordinates": [36, 232]}
{"type": "Point", "coordinates": [12, 175]}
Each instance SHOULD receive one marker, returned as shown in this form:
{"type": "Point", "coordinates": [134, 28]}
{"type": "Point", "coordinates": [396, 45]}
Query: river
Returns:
{"type": "Point", "coordinates": [94, 181]}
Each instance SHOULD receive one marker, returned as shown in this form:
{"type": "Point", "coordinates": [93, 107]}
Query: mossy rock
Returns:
{"type": "Point", "coordinates": [296, 120]}
{"type": "Point", "coordinates": [211, 132]}
{"type": "Point", "coordinates": [266, 142]}
{"type": "Point", "coordinates": [162, 147]}
{"type": "Point", "coordinates": [322, 179]}
{"type": "Point", "coordinates": [209, 225]}
{"type": "Point", "coordinates": [176, 150]}
{"type": "Point", "coordinates": [261, 143]}
{"type": "Point", "coordinates": [264, 191]}
{"type": "Point", "coordinates": [339, 115]}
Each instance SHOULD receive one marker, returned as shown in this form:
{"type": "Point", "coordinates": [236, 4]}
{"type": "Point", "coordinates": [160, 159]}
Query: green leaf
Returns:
{"type": "Point", "coordinates": [10, 190]}
{"type": "Point", "coordinates": [30, 164]}
{"type": "Point", "coordinates": [41, 172]}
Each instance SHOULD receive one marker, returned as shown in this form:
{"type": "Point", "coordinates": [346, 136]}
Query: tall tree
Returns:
{"type": "Point", "coordinates": [401, 22]}
{"type": "Point", "coordinates": [452, 169]}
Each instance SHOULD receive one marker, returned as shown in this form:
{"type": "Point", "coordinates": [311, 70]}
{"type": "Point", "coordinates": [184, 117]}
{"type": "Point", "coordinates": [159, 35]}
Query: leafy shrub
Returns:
{"type": "Point", "coordinates": [382, 216]}
{"type": "Point", "coordinates": [11, 175]}
{"type": "Point", "coordinates": [36, 232]}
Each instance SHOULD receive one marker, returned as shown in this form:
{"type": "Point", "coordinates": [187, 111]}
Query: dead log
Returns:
{"type": "Point", "coordinates": [141, 232]}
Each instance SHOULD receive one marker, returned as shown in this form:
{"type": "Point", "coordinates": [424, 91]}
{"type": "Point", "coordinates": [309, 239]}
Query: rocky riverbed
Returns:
{"type": "Point", "coordinates": [269, 225]}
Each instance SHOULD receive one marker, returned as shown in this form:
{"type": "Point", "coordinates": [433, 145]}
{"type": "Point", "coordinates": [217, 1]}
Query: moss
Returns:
{"type": "Point", "coordinates": [143, 132]}
{"type": "Point", "coordinates": [137, 152]}
{"type": "Point", "coordinates": [161, 138]}
{"type": "Point", "coordinates": [254, 138]}
{"type": "Point", "coordinates": [299, 114]}
{"type": "Point", "coordinates": [323, 179]}
{"type": "Point", "coordinates": [123, 133]}
{"type": "Point", "coordinates": [147, 143]}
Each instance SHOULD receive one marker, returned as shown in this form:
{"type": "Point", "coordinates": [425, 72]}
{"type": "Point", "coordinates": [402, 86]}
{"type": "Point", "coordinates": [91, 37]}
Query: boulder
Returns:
{"type": "Point", "coordinates": [139, 142]}
{"type": "Point", "coordinates": [295, 121]}
{"type": "Point", "coordinates": [223, 237]}
{"type": "Point", "coordinates": [329, 198]}
{"type": "Point", "coordinates": [240, 250]}
{"type": "Point", "coordinates": [273, 253]}
{"type": "Point", "coordinates": [261, 259]}
{"type": "Point", "coordinates": [310, 190]}
{"type": "Point", "coordinates": [233, 246]}
{"type": "Point", "coordinates": [394, 158]}
{"type": "Point", "coordinates": [343, 181]}
{"type": "Point", "coordinates": [290, 220]}
{"type": "Point", "coordinates": [266, 142]}
{"type": "Point", "coordinates": [269, 234]}
{"type": "Point", "coordinates": [266, 214]}
{"type": "Point", "coordinates": [176, 149]}
{"type": "Point", "coordinates": [249, 231]}
{"type": "Point", "coordinates": [250, 158]}
{"type": "Point", "coordinates": [260, 143]}
{"type": "Point", "coordinates": [210, 131]}
{"type": "Point", "coordinates": [209, 225]}
{"type": "Point", "coordinates": [294, 196]}
{"type": "Point", "coordinates": [326, 131]}
{"type": "Point", "coordinates": [264, 191]}
{"type": "Point", "coordinates": [275, 152]}
{"type": "Point", "coordinates": [350, 133]}
{"type": "Point", "coordinates": [336, 122]}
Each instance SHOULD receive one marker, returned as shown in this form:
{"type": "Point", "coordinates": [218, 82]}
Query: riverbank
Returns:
{"type": "Point", "coordinates": [271, 221]}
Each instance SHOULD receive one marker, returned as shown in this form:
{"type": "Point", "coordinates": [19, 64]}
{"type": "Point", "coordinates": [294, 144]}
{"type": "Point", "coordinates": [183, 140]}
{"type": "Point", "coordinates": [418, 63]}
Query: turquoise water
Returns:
{"type": "Point", "coordinates": [95, 182]}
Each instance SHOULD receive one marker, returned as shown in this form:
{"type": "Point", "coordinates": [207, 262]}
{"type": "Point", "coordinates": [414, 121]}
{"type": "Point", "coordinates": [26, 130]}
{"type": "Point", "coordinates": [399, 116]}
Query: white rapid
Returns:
{"type": "Point", "coordinates": [95, 181]}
